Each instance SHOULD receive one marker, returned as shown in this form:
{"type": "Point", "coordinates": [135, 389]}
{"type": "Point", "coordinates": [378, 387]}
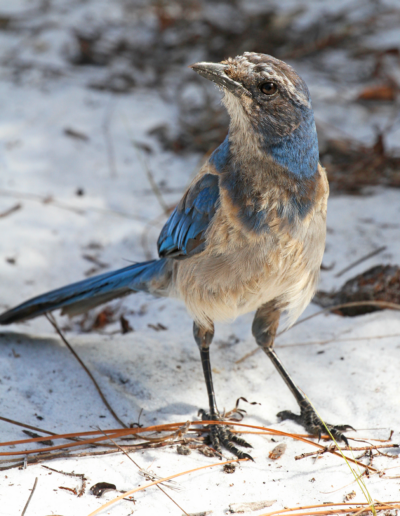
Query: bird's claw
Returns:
{"type": "Point", "coordinates": [313, 424]}
{"type": "Point", "coordinates": [221, 435]}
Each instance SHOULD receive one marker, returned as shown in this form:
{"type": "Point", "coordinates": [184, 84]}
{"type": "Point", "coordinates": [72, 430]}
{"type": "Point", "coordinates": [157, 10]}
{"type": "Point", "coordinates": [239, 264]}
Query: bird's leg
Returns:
{"type": "Point", "coordinates": [219, 434]}
{"type": "Point", "coordinates": [264, 329]}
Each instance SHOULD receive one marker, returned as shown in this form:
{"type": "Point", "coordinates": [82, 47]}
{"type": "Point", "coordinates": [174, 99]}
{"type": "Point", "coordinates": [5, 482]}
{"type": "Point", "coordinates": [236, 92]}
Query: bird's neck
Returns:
{"type": "Point", "coordinates": [253, 140]}
{"type": "Point", "coordinates": [297, 152]}
{"type": "Point", "coordinates": [295, 155]}
{"type": "Point", "coordinates": [251, 167]}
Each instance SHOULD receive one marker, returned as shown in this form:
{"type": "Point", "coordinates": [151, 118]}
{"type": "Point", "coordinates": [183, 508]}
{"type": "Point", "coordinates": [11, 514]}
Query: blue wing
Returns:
{"type": "Point", "coordinates": [152, 276]}
{"type": "Point", "coordinates": [184, 232]}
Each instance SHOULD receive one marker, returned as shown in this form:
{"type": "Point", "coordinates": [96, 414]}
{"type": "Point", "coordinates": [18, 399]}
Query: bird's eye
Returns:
{"type": "Point", "coordinates": [268, 88]}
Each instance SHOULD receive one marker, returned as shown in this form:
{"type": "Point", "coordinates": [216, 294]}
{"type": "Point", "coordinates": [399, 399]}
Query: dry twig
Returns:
{"type": "Point", "coordinates": [79, 475]}
{"type": "Point", "coordinates": [11, 210]}
{"type": "Point", "coordinates": [53, 322]}
{"type": "Point", "coordinates": [141, 470]}
{"type": "Point", "coordinates": [360, 260]}
{"type": "Point", "coordinates": [30, 497]}
{"type": "Point", "coordinates": [382, 304]}
{"type": "Point", "coordinates": [152, 181]}
{"type": "Point", "coordinates": [348, 448]}
{"type": "Point", "coordinates": [335, 339]}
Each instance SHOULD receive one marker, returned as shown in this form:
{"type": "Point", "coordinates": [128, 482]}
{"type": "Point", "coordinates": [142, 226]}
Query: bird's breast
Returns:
{"type": "Point", "coordinates": [241, 269]}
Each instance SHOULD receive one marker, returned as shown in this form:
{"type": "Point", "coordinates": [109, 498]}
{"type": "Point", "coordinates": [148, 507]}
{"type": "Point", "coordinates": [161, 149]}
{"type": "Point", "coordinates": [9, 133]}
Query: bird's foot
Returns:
{"type": "Point", "coordinates": [221, 435]}
{"type": "Point", "coordinates": [313, 424]}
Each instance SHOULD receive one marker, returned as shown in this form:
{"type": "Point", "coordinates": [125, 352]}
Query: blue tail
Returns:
{"type": "Point", "coordinates": [152, 276]}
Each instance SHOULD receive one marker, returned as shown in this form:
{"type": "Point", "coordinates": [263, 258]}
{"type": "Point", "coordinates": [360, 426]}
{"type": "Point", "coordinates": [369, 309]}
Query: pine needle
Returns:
{"type": "Point", "coordinates": [291, 512]}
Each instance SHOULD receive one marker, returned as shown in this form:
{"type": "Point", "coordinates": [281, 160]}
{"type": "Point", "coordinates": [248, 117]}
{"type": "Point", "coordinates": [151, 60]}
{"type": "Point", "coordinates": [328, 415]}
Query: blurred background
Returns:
{"type": "Point", "coordinates": [348, 51]}
{"type": "Point", "coordinates": [103, 124]}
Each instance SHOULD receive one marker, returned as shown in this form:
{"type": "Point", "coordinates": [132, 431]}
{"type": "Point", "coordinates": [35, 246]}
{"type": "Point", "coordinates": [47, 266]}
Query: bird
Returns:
{"type": "Point", "coordinates": [248, 234]}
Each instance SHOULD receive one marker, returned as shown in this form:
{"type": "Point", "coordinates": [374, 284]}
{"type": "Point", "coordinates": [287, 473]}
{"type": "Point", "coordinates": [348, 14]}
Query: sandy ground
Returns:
{"type": "Point", "coordinates": [349, 367]}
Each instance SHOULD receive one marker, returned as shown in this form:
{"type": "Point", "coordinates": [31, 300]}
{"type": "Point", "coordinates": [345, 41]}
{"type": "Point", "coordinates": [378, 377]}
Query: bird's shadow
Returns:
{"type": "Point", "coordinates": [43, 385]}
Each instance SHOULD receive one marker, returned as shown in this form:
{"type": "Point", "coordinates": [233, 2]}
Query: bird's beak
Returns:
{"type": "Point", "coordinates": [215, 72]}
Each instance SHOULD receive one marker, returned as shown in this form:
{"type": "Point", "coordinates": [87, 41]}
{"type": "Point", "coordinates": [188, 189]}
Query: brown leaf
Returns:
{"type": "Point", "coordinates": [68, 489]}
{"type": "Point", "coordinates": [103, 318]}
{"type": "Point", "coordinates": [278, 451]}
{"type": "Point", "coordinates": [349, 496]}
{"type": "Point", "coordinates": [383, 92]}
{"type": "Point", "coordinates": [101, 487]}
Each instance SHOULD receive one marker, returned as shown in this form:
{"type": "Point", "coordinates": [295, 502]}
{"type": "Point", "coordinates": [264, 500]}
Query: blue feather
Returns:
{"type": "Point", "coordinates": [183, 233]}
{"type": "Point", "coordinates": [220, 157]}
{"type": "Point", "coordinates": [86, 294]}
{"type": "Point", "coordinates": [298, 152]}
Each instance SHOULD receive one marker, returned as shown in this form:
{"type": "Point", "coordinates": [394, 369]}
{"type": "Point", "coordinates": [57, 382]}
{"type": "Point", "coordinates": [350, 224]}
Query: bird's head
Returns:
{"type": "Point", "coordinates": [261, 90]}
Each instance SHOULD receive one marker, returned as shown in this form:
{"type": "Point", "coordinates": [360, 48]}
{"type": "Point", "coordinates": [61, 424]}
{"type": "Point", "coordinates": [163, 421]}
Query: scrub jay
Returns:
{"type": "Point", "coordinates": [248, 234]}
